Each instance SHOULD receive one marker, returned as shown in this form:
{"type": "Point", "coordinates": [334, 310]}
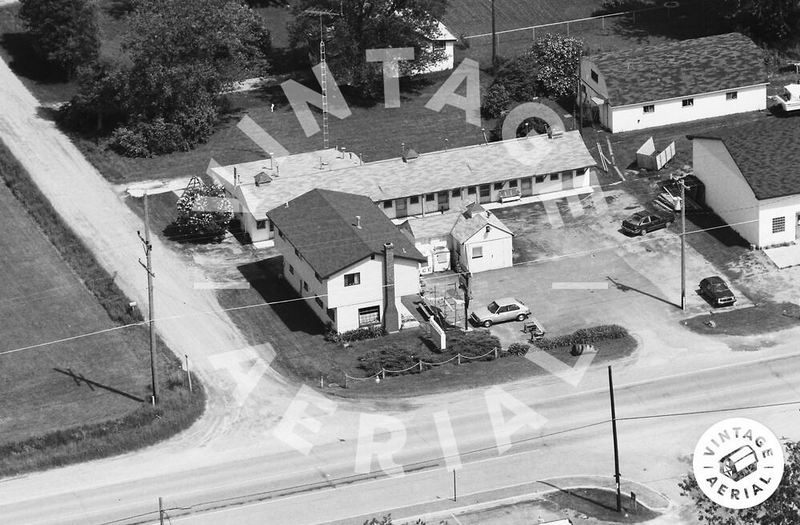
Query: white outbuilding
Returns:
{"type": "Point", "coordinates": [644, 87]}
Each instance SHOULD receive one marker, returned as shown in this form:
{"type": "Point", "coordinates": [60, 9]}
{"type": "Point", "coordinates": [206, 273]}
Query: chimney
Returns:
{"type": "Point", "coordinates": [358, 222]}
{"type": "Point", "coordinates": [391, 319]}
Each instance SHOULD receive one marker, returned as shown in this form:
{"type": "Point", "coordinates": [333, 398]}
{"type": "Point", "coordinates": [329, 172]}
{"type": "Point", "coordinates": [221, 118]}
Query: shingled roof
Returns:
{"type": "Point", "coordinates": [680, 69]}
{"type": "Point", "coordinates": [322, 226]}
{"type": "Point", "coordinates": [766, 153]}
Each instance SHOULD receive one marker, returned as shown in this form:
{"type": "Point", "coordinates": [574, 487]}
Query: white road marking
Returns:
{"type": "Point", "coordinates": [578, 285]}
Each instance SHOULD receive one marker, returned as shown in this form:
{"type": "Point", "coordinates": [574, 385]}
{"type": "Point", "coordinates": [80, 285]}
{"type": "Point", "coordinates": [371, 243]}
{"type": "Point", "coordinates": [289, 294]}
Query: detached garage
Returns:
{"type": "Point", "coordinates": [752, 178]}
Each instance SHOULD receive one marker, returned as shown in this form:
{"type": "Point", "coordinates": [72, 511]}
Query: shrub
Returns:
{"type": "Point", "coordinates": [472, 344]}
{"type": "Point", "coordinates": [204, 213]}
{"type": "Point", "coordinates": [591, 335]}
{"type": "Point", "coordinates": [391, 357]}
{"type": "Point", "coordinates": [359, 334]}
{"type": "Point", "coordinates": [496, 101]}
{"type": "Point", "coordinates": [518, 349]}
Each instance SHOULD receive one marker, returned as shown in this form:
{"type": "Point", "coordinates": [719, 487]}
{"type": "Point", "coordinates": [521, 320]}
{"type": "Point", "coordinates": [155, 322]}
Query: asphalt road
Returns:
{"type": "Point", "coordinates": [574, 440]}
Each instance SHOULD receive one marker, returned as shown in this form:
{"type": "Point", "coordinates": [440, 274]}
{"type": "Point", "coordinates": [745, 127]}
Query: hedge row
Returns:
{"type": "Point", "coordinates": [583, 336]}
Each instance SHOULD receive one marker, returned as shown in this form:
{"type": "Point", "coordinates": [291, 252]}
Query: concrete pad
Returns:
{"type": "Point", "coordinates": [575, 206]}
{"type": "Point", "coordinates": [784, 256]}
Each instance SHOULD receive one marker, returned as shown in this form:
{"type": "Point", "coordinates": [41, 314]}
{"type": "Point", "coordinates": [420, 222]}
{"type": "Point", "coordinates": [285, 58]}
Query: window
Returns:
{"type": "Point", "coordinates": [778, 224]}
{"type": "Point", "coordinates": [456, 194]}
{"type": "Point", "coordinates": [477, 252]}
{"type": "Point", "coordinates": [471, 190]}
{"type": "Point", "coordinates": [413, 200]}
{"type": "Point", "coordinates": [305, 286]}
{"type": "Point", "coordinates": [319, 302]}
{"type": "Point", "coordinates": [429, 197]}
{"type": "Point", "coordinates": [687, 102]}
{"type": "Point", "coordinates": [332, 314]}
{"type": "Point", "coordinates": [649, 109]}
{"type": "Point", "coordinates": [387, 204]}
{"type": "Point", "coordinates": [352, 279]}
{"type": "Point", "coordinates": [439, 45]}
{"type": "Point", "coordinates": [512, 184]}
{"type": "Point", "coordinates": [498, 185]}
{"type": "Point", "coordinates": [512, 307]}
{"type": "Point", "coordinates": [369, 315]}
{"type": "Point", "coordinates": [291, 269]}
{"type": "Point", "coordinates": [540, 178]}
{"type": "Point", "coordinates": [554, 176]}
{"type": "Point", "coordinates": [261, 225]}
{"type": "Point", "coordinates": [731, 95]}
{"type": "Point", "coordinates": [594, 76]}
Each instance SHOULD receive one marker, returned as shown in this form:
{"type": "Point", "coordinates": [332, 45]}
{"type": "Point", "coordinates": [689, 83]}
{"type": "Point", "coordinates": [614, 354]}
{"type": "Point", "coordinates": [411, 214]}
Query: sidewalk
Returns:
{"type": "Point", "coordinates": [528, 492]}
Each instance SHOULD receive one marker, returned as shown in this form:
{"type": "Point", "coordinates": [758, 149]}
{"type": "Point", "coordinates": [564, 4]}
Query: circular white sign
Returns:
{"type": "Point", "coordinates": [738, 463]}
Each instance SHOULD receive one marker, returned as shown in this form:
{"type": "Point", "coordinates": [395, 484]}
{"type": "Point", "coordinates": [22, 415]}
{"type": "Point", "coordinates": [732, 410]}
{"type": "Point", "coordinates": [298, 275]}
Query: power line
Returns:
{"type": "Point", "coordinates": [296, 299]}
{"type": "Point", "coordinates": [430, 462]}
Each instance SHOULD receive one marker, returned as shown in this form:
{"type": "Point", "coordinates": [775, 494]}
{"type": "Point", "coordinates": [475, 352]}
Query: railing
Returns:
{"type": "Point", "coordinates": [421, 366]}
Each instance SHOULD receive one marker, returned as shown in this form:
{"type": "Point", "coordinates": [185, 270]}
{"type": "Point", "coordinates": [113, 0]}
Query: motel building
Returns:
{"type": "Point", "coordinates": [521, 170]}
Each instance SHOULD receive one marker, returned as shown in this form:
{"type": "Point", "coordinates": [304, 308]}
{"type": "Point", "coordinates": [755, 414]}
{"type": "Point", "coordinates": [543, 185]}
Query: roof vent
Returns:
{"type": "Point", "coordinates": [555, 133]}
{"type": "Point", "coordinates": [262, 178]}
{"type": "Point", "coordinates": [410, 154]}
{"type": "Point", "coordinates": [358, 222]}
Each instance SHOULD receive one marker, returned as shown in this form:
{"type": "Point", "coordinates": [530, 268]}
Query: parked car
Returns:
{"type": "Point", "coordinates": [643, 222]}
{"type": "Point", "coordinates": [716, 291]}
{"type": "Point", "coordinates": [499, 310]}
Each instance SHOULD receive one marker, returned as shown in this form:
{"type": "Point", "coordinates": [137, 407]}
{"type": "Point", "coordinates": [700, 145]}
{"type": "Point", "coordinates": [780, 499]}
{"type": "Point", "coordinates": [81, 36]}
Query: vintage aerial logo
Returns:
{"type": "Point", "coordinates": [738, 463]}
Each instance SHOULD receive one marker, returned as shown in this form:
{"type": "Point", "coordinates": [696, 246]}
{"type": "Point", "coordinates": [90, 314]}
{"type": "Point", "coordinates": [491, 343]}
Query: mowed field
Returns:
{"type": "Point", "coordinates": [42, 300]}
{"type": "Point", "coordinates": [473, 17]}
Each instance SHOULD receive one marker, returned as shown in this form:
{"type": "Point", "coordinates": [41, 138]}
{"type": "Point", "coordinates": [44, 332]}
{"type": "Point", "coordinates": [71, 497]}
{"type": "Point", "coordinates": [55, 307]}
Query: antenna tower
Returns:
{"type": "Point", "coordinates": [323, 66]}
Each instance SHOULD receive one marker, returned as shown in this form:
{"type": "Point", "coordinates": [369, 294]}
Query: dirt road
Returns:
{"type": "Point", "coordinates": [89, 205]}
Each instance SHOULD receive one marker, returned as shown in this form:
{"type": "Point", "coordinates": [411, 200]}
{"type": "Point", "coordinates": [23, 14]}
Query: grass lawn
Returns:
{"type": "Point", "coordinates": [600, 504]}
{"type": "Point", "coordinates": [372, 131]}
{"type": "Point", "coordinates": [303, 353]}
{"type": "Point", "coordinates": [760, 319]}
{"type": "Point", "coordinates": [80, 383]}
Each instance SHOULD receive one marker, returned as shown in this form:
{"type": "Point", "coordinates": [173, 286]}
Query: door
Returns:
{"type": "Point", "coordinates": [566, 177]}
{"type": "Point", "coordinates": [444, 202]}
{"type": "Point", "coordinates": [527, 187]}
{"type": "Point", "coordinates": [485, 194]}
{"type": "Point", "coordinates": [401, 208]}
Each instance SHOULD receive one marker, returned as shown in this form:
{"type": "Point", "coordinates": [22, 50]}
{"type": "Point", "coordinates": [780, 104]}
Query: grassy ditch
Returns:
{"type": "Point", "coordinates": [146, 425]}
{"type": "Point", "coordinates": [82, 398]}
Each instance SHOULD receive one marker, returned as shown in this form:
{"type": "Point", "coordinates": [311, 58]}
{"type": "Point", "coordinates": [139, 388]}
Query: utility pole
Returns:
{"type": "Point", "coordinates": [494, 44]}
{"type": "Point", "coordinates": [579, 93]}
{"type": "Point", "coordinates": [614, 431]}
{"type": "Point", "coordinates": [160, 511]}
{"type": "Point", "coordinates": [148, 248]}
{"type": "Point", "coordinates": [683, 244]}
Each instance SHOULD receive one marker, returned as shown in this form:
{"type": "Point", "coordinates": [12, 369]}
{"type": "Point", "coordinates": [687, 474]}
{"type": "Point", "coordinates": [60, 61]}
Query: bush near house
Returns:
{"type": "Point", "coordinates": [359, 334]}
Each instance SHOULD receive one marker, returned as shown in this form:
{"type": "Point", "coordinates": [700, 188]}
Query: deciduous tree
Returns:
{"type": "Point", "coordinates": [776, 21]}
{"type": "Point", "coordinates": [64, 32]}
{"type": "Point", "coordinates": [782, 508]}
{"type": "Point", "coordinates": [368, 24]}
{"type": "Point", "coordinates": [204, 213]}
{"type": "Point", "coordinates": [556, 58]}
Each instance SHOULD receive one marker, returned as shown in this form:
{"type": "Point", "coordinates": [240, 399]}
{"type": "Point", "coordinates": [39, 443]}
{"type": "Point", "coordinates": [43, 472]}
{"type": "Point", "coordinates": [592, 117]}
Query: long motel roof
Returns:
{"type": "Point", "coordinates": [292, 176]}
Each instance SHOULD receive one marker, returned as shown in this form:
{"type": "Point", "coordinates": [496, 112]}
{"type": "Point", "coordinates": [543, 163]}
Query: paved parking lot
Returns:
{"type": "Point", "coordinates": [580, 270]}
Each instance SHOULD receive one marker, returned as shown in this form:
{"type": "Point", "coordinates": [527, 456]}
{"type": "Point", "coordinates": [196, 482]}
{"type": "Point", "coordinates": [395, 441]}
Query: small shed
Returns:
{"type": "Point", "coordinates": [648, 158]}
